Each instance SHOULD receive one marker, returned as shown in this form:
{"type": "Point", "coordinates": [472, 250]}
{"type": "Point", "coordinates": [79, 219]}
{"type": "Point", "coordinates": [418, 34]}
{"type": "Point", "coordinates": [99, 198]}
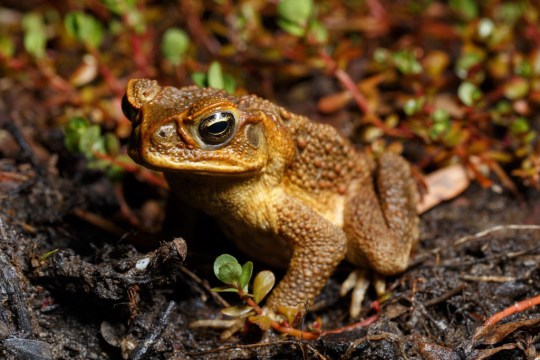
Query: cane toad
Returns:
{"type": "Point", "coordinates": [285, 189]}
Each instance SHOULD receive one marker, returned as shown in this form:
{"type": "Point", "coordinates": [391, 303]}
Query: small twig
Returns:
{"type": "Point", "coordinates": [125, 209]}
{"type": "Point", "coordinates": [20, 138]}
{"type": "Point", "coordinates": [496, 229]}
{"type": "Point", "coordinates": [488, 278]}
{"type": "Point", "coordinates": [99, 222]}
{"type": "Point", "coordinates": [20, 322]}
{"type": "Point", "coordinates": [217, 298]}
{"type": "Point", "coordinates": [259, 346]}
{"type": "Point", "coordinates": [516, 308]}
{"type": "Point", "coordinates": [445, 296]}
{"type": "Point", "coordinates": [451, 264]}
{"type": "Point", "coordinates": [146, 175]}
{"type": "Point", "coordinates": [141, 351]}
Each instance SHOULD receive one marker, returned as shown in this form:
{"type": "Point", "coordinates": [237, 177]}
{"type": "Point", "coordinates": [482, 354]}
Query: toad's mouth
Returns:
{"type": "Point", "coordinates": [182, 159]}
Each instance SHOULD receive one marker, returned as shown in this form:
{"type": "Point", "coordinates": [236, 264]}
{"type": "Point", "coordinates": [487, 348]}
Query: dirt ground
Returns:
{"type": "Point", "coordinates": [77, 283]}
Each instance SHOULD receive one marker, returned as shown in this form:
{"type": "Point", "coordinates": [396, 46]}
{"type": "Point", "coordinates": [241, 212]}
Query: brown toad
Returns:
{"type": "Point", "coordinates": [285, 189]}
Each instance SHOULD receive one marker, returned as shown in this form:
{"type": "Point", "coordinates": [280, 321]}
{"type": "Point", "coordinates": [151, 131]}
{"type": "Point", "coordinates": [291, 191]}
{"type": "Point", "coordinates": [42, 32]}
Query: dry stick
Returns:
{"type": "Point", "coordinates": [217, 298]}
{"type": "Point", "coordinates": [99, 222]}
{"type": "Point", "coordinates": [497, 228]}
{"type": "Point", "coordinates": [146, 175]}
{"type": "Point", "coordinates": [446, 295]}
{"type": "Point", "coordinates": [261, 345]}
{"type": "Point", "coordinates": [141, 351]}
{"type": "Point", "coordinates": [517, 307]}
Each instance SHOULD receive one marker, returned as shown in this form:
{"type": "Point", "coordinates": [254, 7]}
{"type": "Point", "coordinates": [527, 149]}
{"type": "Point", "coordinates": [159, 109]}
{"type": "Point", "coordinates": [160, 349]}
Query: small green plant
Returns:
{"type": "Point", "coordinates": [35, 38]}
{"type": "Point", "coordinates": [237, 278]}
{"type": "Point", "coordinates": [85, 28]}
{"type": "Point", "coordinates": [215, 78]}
{"type": "Point", "coordinates": [174, 45]}
{"type": "Point", "coordinates": [84, 138]}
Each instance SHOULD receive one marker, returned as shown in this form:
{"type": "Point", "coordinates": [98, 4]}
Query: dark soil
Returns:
{"type": "Point", "coordinates": [74, 288]}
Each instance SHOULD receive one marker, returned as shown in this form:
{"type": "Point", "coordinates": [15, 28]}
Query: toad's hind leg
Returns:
{"type": "Point", "coordinates": [380, 220]}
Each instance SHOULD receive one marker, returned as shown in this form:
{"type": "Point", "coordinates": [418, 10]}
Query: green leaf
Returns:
{"type": "Point", "coordinates": [215, 76]}
{"type": "Point", "coordinates": [119, 7]}
{"type": "Point", "coordinates": [225, 288]}
{"type": "Point", "coordinates": [291, 27]}
{"type": "Point", "coordinates": [85, 28]}
{"type": "Point", "coordinates": [7, 46]}
{"type": "Point", "coordinates": [227, 269]}
{"type": "Point", "coordinates": [409, 107]}
{"type": "Point", "coordinates": [467, 8]}
{"type": "Point", "coordinates": [406, 62]}
{"type": "Point", "coordinates": [263, 283]}
{"type": "Point", "coordinates": [229, 83]}
{"type": "Point", "coordinates": [440, 116]}
{"type": "Point", "coordinates": [34, 34]}
{"type": "Point", "coordinates": [247, 271]}
{"type": "Point", "coordinates": [519, 126]}
{"type": "Point", "coordinates": [230, 273]}
{"type": "Point", "coordinates": [112, 144]}
{"type": "Point", "coordinates": [294, 16]}
{"type": "Point", "coordinates": [91, 141]}
{"type": "Point", "coordinates": [438, 129]}
{"type": "Point", "coordinates": [510, 12]}
{"type": "Point", "coordinates": [381, 55]}
{"type": "Point", "coordinates": [222, 260]}
{"type": "Point", "coordinates": [174, 45]}
{"type": "Point", "coordinates": [318, 31]}
{"type": "Point", "coordinates": [413, 106]}
{"type": "Point", "coordinates": [469, 93]}
{"type": "Point", "coordinates": [295, 11]}
{"type": "Point", "coordinates": [47, 254]}
{"type": "Point", "coordinates": [523, 68]}
{"type": "Point", "coordinates": [466, 61]}
{"type": "Point", "coordinates": [73, 132]}
{"type": "Point", "coordinates": [516, 88]}
{"type": "Point", "coordinates": [236, 311]}
{"type": "Point", "coordinates": [199, 78]}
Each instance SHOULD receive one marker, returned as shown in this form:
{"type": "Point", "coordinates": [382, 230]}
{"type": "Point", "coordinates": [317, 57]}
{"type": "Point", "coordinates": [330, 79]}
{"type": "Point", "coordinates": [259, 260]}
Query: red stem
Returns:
{"type": "Point", "coordinates": [516, 308]}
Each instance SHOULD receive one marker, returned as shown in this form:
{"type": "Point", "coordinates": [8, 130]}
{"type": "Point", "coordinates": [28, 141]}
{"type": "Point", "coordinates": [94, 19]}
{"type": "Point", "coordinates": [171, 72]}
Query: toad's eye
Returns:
{"type": "Point", "coordinates": [217, 128]}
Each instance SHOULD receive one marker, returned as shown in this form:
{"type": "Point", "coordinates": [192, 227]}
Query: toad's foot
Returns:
{"type": "Point", "coordinates": [358, 281]}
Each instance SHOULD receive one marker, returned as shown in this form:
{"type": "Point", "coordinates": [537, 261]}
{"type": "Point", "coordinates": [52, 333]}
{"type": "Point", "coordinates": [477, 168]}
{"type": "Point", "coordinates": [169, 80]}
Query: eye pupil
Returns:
{"type": "Point", "coordinates": [217, 128]}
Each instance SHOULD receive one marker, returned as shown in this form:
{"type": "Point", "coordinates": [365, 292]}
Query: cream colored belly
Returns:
{"type": "Point", "coordinates": [271, 248]}
{"type": "Point", "coordinates": [259, 245]}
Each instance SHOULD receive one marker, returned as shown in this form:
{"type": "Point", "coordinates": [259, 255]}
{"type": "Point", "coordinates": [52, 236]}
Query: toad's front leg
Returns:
{"type": "Point", "coordinates": [318, 247]}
